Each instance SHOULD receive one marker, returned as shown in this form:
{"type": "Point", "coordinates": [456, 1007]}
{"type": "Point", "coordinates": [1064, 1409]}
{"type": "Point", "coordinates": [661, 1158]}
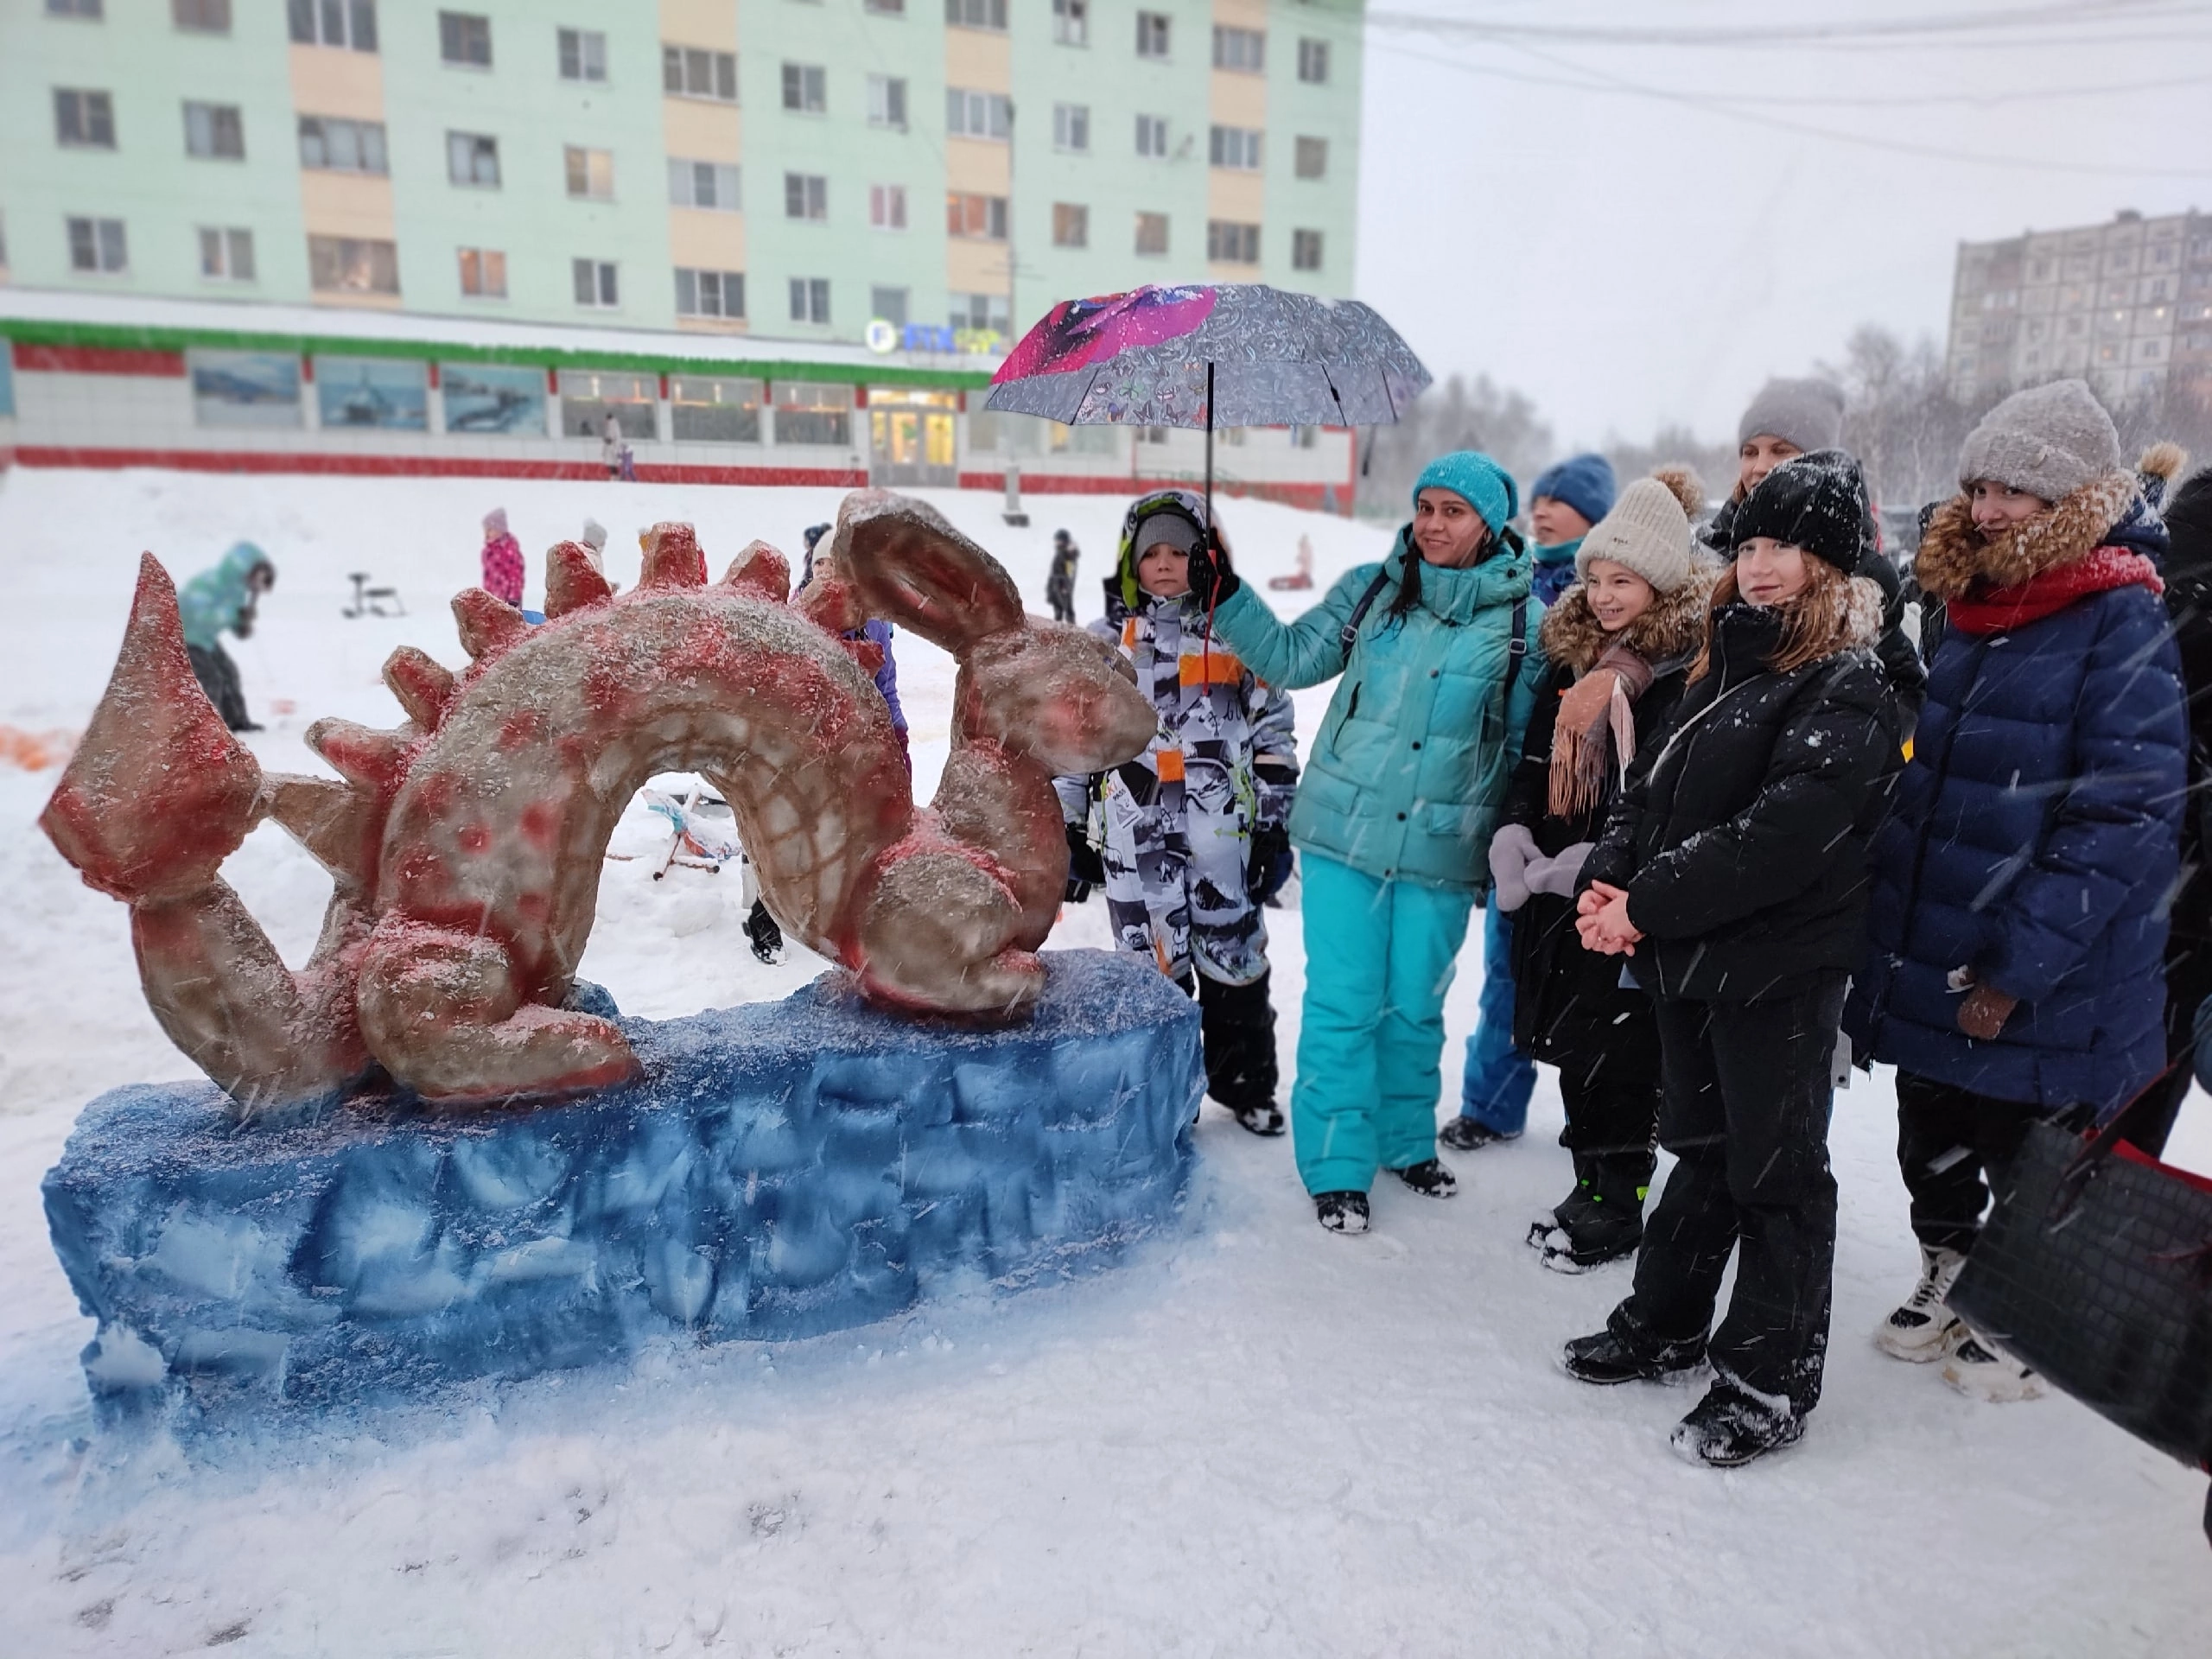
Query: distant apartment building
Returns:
{"type": "Point", "coordinates": [2126, 306]}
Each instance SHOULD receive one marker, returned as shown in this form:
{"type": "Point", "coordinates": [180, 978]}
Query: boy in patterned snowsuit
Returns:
{"type": "Point", "coordinates": [1194, 842]}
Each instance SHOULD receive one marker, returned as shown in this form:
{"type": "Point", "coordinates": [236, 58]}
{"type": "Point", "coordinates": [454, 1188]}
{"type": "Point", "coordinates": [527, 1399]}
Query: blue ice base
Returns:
{"type": "Point", "coordinates": [784, 1170]}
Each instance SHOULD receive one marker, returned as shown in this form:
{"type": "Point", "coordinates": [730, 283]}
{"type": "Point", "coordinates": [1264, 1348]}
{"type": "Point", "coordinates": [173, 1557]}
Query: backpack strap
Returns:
{"type": "Point", "coordinates": [1350, 633]}
{"type": "Point", "coordinates": [1515, 649]}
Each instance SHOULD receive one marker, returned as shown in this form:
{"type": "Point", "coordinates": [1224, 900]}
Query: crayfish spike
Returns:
{"type": "Point", "coordinates": [673, 558]}
{"type": "Point", "coordinates": [488, 625]}
{"type": "Point", "coordinates": [375, 760]}
{"type": "Point", "coordinates": [423, 685]}
{"type": "Point", "coordinates": [572, 582]}
{"type": "Point", "coordinates": [339, 824]}
{"type": "Point", "coordinates": [761, 572]}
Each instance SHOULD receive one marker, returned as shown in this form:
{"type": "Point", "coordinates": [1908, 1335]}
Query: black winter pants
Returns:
{"type": "Point", "coordinates": [1237, 1028]}
{"type": "Point", "coordinates": [1611, 1122]}
{"type": "Point", "coordinates": [1952, 1144]}
{"type": "Point", "coordinates": [219, 678]}
{"type": "Point", "coordinates": [2189, 981]}
{"type": "Point", "coordinates": [1745, 1113]}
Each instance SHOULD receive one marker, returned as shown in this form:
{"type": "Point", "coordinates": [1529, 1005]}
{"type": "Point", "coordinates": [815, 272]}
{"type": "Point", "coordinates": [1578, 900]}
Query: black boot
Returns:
{"type": "Point", "coordinates": [1729, 1427]}
{"type": "Point", "coordinates": [1603, 1220]}
{"type": "Point", "coordinates": [760, 928]}
{"type": "Point", "coordinates": [1464, 1134]}
{"type": "Point", "coordinates": [1429, 1178]}
{"type": "Point", "coordinates": [1341, 1212]}
{"type": "Point", "coordinates": [1626, 1353]}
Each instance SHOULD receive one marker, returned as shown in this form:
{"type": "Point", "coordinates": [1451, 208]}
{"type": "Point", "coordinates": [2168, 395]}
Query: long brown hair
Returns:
{"type": "Point", "coordinates": [1825, 615]}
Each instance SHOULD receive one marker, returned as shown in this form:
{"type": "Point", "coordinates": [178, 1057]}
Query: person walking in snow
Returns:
{"type": "Point", "coordinates": [1194, 842]}
{"type": "Point", "coordinates": [222, 600]}
{"type": "Point", "coordinates": [1732, 878]}
{"type": "Point", "coordinates": [1494, 1089]}
{"type": "Point", "coordinates": [502, 567]}
{"type": "Point", "coordinates": [1618, 645]}
{"type": "Point", "coordinates": [1395, 811]}
{"type": "Point", "coordinates": [2014, 968]}
{"type": "Point", "coordinates": [611, 445]}
{"type": "Point", "coordinates": [1059, 583]}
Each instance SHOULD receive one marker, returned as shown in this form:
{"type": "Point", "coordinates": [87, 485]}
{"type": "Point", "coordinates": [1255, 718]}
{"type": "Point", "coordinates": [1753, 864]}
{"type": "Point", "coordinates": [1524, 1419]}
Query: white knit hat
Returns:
{"type": "Point", "coordinates": [1648, 530]}
{"type": "Point", "coordinates": [2049, 440]}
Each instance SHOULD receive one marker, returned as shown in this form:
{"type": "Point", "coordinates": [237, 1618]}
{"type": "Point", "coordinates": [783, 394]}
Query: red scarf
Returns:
{"type": "Point", "coordinates": [2001, 609]}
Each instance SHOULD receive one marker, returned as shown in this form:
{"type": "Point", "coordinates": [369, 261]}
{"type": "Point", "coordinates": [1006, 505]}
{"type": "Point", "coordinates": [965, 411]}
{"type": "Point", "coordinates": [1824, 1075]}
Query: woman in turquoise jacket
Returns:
{"type": "Point", "coordinates": [1395, 813]}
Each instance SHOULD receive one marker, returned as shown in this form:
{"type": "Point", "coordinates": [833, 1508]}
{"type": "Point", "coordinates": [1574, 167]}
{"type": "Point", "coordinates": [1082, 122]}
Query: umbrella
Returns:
{"type": "Point", "coordinates": [1208, 355]}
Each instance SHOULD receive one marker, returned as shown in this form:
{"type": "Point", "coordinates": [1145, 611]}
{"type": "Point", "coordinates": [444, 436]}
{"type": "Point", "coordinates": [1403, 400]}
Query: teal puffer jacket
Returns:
{"type": "Point", "coordinates": [1408, 769]}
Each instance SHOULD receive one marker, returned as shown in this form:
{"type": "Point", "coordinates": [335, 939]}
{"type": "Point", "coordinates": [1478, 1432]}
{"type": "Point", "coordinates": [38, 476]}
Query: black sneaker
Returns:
{"type": "Point", "coordinates": [1341, 1212]}
{"type": "Point", "coordinates": [1610, 1356]}
{"type": "Point", "coordinates": [1264, 1119]}
{"type": "Point", "coordinates": [1464, 1134]}
{"type": "Point", "coordinates": [1429, 1178]}
{"type": "Point", "coordinates": [1728, 1428]}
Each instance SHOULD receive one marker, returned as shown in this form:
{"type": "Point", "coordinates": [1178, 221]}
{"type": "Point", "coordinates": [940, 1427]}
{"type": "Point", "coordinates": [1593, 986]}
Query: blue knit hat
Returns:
{"type": "Point", "coordinates": [1477, 481]}
{"type": "Point", "coordinates": [1583, 482]}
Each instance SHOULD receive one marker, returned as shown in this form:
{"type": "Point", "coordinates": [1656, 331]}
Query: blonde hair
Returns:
{"type": "Point", "coordinates": [1817, 621]}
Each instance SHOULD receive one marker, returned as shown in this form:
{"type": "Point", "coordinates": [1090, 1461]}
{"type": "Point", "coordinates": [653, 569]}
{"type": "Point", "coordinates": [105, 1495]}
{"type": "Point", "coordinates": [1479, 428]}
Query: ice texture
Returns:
{"type": "Point", "coordinates": [780, 1170]}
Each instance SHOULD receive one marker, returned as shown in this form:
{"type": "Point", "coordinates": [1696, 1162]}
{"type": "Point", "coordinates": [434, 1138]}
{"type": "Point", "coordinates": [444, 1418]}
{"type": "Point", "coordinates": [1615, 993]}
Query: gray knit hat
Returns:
{"type": "Point", "coordinates": [1647, 532]}
{"type": "Point", "coordinates": [1806, 413]}
{"type": "Point", "coordinates": [2049, 440]}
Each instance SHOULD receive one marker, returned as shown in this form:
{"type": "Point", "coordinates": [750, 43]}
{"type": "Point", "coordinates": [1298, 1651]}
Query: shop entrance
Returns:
{"type": "Point", "coordinates": [912, 437]}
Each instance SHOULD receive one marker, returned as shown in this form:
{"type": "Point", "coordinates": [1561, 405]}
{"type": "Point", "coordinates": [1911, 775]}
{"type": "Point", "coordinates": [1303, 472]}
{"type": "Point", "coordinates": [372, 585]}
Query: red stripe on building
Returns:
{"type": "Point", "coordinates": [233, 461]}
{"type": "Point", "coordinates": [97, 360]}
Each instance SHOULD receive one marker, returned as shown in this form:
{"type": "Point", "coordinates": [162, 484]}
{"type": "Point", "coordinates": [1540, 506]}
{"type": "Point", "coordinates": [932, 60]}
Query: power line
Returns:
{"type": "Point", "coordinates": [1905, 101]}
{"type": "Point", "coordinates": [1888, 34]}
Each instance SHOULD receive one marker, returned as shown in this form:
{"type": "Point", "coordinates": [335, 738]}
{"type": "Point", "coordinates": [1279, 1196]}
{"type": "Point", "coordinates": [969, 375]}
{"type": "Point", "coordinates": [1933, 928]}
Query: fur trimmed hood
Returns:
{"type": "Point", "coordinates": [1572, 637]}
{"type": "Point", "coordinates": [1955, 556]}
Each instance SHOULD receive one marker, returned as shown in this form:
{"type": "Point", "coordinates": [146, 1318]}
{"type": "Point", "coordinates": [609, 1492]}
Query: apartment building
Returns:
{"type": "Point", "coordinates": [2126, 306]}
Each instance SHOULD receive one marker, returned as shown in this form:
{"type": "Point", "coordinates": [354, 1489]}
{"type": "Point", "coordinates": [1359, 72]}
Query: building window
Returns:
{"type": "Point", "coordinates": [1231, 244]}
{"type": "Point", "coordinates": [214, 131]}
{"type": "Point", "coordinates": [83, 119]}
{"type": "Point", "coordinates": [711, 408]}
{"type": "Point", "coordinates": [810, 301]}
{"type": "Point", "coordinates": [344, 264]}
{"type": "Point", "coordinates": [709, 293]}
{"type": "Point", "coordinates": [886, 208]}
{"type": "Point", "coordinates": [226, 254]}
{"type": "Point", "coordinates": [350, 23]}
{"type": "Point", "coordinates": [590, 172]}
{"type": "Point", "coordinates": [889, 304]}
{"type": "Point", "coordinates": [1072, 23]}
{"type": "Point", "coordinates": [1237, 148]}
{"type": "Point", "coordinates": [1245, 49]}
{"type": "Point", "coordinates": [977, 115]}
{"type": "Point", "coordinates": [980, 217]}
{"type": "Point", "coordinates": [473, 158]}
{"type": "Point", "coordinates": [979, 314]}
{"type": "Point", "coordinates": [712, 185]}
{"type": "Point", "coordinates": [1312, 158]}
{"type": "Point", "coordinates": [806, 88]}
{"type": "Point", "coordinates": [1072, 126]}
{"type": "Point", "coordinates": [806, 196]}
{"type": "Point", "coordinates": [74, 8]}
{"type": "Point", "coordinates": [807, 412]}
{"type": "Point", "coordinates": [886, 102]}
{"type": "Point", "coordinates": [690, 72]}
{"type": "Point", "coordinates": [465, 39]}
{"type": "Point", "coordinates": [1304, 249]}
{"type": "Point", "coordinates": [885, 8]}
{"type": "Point", "coordinates": [589, 395]}
{"type": "Point", "coordinates": [1151, 135]}
{"type": "Point", "coordinates": [1151, 34]}
{"type": "Point", "coordinates": [97, 244]}
{"type": "Point", "coordinates": [329, 145]}
{"type": "Point", "coordinates": [594, 283]}
{"type": "Point", "coordinates": [201, 17]}
{"type": "Point", "coordinates": [1152, 233]}
{"type": "Point", "coordinates": [1313, 62]}
{"type": "Point", "coordinates": [484, 273]}
{"type": "Point", "coordinates": [1070, 225]}
{"type": "Point", "coordinates": [583, 55]}
{"type": "Point", "coordinates": [976, 14]}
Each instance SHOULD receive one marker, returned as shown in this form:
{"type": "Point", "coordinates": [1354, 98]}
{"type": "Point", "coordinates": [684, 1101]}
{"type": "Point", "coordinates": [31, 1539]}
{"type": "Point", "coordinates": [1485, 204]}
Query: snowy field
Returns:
{"type": "Point", "coordinates": [1259, 1440]}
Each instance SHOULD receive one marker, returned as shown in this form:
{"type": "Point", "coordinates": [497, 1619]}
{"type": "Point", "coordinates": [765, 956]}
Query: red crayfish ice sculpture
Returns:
{"type": "Point", "coordinates": [466, 846]}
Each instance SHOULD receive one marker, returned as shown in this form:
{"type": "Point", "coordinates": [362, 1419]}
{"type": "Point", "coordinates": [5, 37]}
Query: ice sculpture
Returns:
{"type": "Point", "coordinates": [465, 847]}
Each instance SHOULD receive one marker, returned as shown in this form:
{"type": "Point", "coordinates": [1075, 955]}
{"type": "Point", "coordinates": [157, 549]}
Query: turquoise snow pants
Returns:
{"type": "Point", "coordinates": [1379, 957]}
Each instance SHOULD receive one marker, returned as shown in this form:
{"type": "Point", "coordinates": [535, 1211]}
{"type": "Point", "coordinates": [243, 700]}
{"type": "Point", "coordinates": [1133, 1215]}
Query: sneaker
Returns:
{"type": "Point", "coordinates": [1731, 1427]}
{"type": "Point", "coordinates": [1611, 1357]}
{"type": "Point", "coordinates": [1429, 1178]}
{"type": "Point", "coordinates": [1341, 1212]}
{"type": "Point", "coordinates": [1923, 1327]}
{"type": "Point", "coordinates": [1464, 1134]}
{"type": "Point", "coordinates": [1981, 1373]}
{"type": "Point", "coordinates": [1265, 1119]}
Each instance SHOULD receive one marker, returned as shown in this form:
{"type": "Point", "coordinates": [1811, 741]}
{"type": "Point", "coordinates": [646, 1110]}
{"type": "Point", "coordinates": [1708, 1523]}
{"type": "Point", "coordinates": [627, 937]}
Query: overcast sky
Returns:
{"type": "Point", "coordinates": [1627, 259]}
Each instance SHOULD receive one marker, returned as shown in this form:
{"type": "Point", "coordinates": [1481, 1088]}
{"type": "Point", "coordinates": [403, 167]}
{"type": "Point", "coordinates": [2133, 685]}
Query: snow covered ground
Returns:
{"type": "Point", "coordinates": [1260, 1439]}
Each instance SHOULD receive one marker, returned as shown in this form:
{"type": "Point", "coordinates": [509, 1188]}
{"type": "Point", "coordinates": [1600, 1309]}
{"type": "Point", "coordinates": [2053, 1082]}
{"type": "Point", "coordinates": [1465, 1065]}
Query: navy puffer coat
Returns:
{"type": "Point", "coordinates": [2036, 839]}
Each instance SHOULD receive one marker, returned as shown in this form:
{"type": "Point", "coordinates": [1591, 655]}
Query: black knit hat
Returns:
{"type": "Point", "coordinates": [1817, 502]}
{"type": "Point", "coordinates": [2189, 514]}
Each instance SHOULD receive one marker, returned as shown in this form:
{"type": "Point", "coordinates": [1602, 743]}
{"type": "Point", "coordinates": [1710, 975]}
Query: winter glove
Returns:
{"type": "Point", "coordinates": [1275, 783]}
{"type": "Point", "coordinates": [1984, 1012]}
{"type": "Point", "coordinates": [1269, 863]}
{"type": "Point", "coordinates": [1211, 579]}
{"type": "Point", "coordinates": [1555, 876]}
{"type": "Point", "coordinates": [1085, 868]}
{"type": "Point", "coordinates": [1511, 851]}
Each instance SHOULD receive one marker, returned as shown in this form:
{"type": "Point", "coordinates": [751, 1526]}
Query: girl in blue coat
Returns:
{"type": "Point", "coordinates": [2019, 918]}
{"type": "Point", "coordinates": [1395, 813]}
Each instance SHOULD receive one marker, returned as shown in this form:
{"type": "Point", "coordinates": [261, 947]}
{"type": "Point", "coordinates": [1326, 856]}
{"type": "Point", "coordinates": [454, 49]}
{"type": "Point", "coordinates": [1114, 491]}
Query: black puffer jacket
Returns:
{"type": "Point", "coordinates": [2189, 600]}
{"type": "Point", "coordinates": [1743, 844]}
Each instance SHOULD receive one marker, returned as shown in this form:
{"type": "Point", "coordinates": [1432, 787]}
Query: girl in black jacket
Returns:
{"type": "Point", "coordinates": [1619, 644]}
{"type": "Point", "coordinates": [1732, 874]}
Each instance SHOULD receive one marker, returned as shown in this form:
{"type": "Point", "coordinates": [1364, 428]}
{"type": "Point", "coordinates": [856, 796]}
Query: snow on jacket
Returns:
{"type": "Point", "coordinates": [1742, 845]}
{"type": "Point", "coordinates": [2037, 834]}
{"type": "Point", "coordinates": [212, 601]}
{"type": "Point", "coordinates": [1408, 772]}
{"type": "Point", "coordinates": [503, 570]}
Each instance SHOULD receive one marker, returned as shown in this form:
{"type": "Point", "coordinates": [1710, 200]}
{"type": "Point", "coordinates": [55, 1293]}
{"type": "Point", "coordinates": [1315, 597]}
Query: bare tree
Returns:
{"type": "Point", "coordinates": [1504, 424]}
